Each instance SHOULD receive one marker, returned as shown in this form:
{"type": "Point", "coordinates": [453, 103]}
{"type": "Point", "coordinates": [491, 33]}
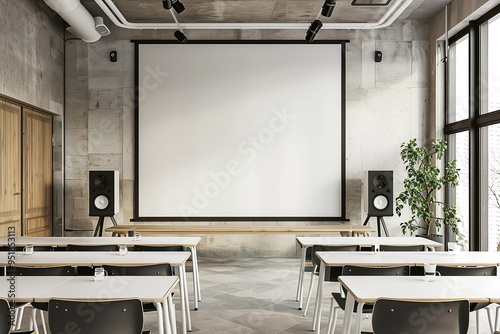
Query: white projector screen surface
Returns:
{"type": "Point", "coordinates": [239, 131]}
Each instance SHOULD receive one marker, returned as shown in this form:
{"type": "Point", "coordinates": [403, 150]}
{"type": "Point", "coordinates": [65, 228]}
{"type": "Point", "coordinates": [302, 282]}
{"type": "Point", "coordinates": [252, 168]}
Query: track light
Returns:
{"type": "Point", "coordinates": [178, 6]}
{"type": "Point", "coordinates": [328, 7]}
{"type": "Point", "coordinates": [167, 4]}
{"type": "Point", "coordinates": [313, 30]}
{"type": "Point", "coordinates": [180, 36]}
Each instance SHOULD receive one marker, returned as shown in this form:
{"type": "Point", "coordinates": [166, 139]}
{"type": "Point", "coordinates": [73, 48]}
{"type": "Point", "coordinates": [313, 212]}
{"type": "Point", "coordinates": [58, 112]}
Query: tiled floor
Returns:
{"type": "Point", "coordinates": [256, 295]}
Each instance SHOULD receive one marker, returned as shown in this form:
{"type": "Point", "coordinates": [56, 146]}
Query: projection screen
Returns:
{"type": "Point", "coordinates": [240, 131]}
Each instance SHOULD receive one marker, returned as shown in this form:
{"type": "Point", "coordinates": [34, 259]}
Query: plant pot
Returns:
{"type": "Point", "coordinates": [434, 237]}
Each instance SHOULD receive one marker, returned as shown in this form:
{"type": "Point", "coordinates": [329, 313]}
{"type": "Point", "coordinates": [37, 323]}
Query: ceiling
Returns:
{"type": "Point", "coordinates": [262, 11]}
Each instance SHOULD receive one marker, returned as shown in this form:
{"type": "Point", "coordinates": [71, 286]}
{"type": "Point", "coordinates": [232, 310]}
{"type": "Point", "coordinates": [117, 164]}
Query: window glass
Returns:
{"type": "Point", "coordinates": [491, 141]}
{"type": "Point", "coordinates": [458, 148]}
{"type": "Point", "coordinates": [493, 64]}
{"type": "Point", "coordinates": [459, 80]}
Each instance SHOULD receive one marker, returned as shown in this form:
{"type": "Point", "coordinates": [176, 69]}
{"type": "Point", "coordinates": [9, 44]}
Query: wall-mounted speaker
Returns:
{"type": "Point", "coordinates": [379, 194]}
{"type": "Point", "coordinates": [113, 56]}
{"type": "Point", "coordinates": [104, 192]}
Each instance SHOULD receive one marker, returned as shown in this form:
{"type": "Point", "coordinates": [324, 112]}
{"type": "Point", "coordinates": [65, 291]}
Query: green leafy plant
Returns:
{"type": "Point", "coordinates": [419, 193]}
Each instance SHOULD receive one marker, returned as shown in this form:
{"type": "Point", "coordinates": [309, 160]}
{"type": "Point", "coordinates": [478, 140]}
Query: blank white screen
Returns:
{"type": "Point", "coordinates": [239, 130]}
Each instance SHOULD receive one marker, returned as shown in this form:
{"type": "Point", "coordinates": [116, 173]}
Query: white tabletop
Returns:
{"type": "Point", "coordinates": [369, 288]}
{"type": "Point", "coordinates": [147, 288]}
{"type": "Point", "coordinates": [410, 258]}
{"type": "Point", "coordinates": [26, 287]}
{"type": "Point", "coordinates": [64, 241]}
{"type": "Point", "coordinates": [96, 258]}
{"type": "Point", "coordinates": [367, 241]}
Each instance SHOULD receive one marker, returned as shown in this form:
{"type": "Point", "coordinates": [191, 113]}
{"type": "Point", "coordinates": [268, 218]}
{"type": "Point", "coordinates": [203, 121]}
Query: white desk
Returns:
{"type": "Point", "coordinates": [306, 242]}
{"type": "Point", "coordinates": [188, 242]}
{"type": "Point", "coordinates": [394, 258]}
{"type": "Point", "coordinates": [472, 288]}
{"type": "Point", "coordinates": [176, 259]}
{"type": "Point", "coordinates": [155, 289]}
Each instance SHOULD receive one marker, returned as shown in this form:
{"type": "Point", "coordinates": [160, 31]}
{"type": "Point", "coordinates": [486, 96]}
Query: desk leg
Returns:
{"type": "Point", "coordinates": [302, 268]}
{"type": "Point", "coordinates": [163, 308]}
{"type": "Point", "coordinates": [184, 297]}
{"type": "Point", "coordinates": [349, 308]}
{"type": "Point", "coordinates": [319, 300]}
{"type": "Point", "coordinates": [196, 277]}
{"type": "Point", "coordinates": [171, 312]}
{"type": "Point", "coordinates": [159, 316]}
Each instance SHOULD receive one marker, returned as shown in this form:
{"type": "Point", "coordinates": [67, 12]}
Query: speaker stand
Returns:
{"type": "Point", "coordinates": [100, 225]}
{"type": "Point", "coordinates": [380, 221]}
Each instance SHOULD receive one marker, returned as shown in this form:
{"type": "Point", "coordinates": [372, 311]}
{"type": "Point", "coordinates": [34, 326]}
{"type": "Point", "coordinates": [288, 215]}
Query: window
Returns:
{"type": "Point", "coordinates": [490, 67]}
{"type": "Point", "coordinates": [473, 129]}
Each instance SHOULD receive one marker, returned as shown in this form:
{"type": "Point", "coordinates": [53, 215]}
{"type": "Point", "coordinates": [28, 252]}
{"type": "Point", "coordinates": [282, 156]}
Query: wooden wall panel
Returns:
{"type": "Point", "coordinates": [10, 167]}
{"type": "Point", "coordinates": [37, 166]}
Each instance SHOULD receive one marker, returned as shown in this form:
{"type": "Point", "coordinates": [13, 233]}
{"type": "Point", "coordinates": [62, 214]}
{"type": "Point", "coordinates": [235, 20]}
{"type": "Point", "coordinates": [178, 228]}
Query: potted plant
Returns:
{"type": "Point", "coordinates": [424, 179]}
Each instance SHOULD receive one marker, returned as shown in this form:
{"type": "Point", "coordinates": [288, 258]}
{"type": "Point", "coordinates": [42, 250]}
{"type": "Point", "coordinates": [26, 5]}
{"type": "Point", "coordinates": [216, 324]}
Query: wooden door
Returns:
{"type": "Point", "coordinates": [37, 173]}
{"type": "Point", "coordinates": [10, 168]}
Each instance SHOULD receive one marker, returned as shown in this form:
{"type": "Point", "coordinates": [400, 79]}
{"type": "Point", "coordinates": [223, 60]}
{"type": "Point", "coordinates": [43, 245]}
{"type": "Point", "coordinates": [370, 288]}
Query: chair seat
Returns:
{"type": "Point", "coordinates": [367, 308]}
{"type": "Point", "coordinates": [40, 306]}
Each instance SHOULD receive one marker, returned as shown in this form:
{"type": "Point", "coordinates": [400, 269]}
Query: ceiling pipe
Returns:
{"type": "Point", "coordinates": [82, 24]}
{"type": "Point", "coordinates": [396, 9]}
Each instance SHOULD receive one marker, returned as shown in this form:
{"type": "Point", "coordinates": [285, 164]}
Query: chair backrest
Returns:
{"type": "Point", "coordinates": [321, 248]}
{"type": "Point", "coordinates": [36, 248]}
{"type": "Point", "coordinates": [123, 316]}
{"type": "Point", "coordinates": [43, 271]}
{"type": "Point", "coordinates": [92, 248]}
{"type": "Point", "coordinates": [163, 269]}
{"type": "Point", "coordinates": [416, 317]}
{"type": "Point", "coordinates": [175, 248]}
{"type": "Point", "coordinates": [376, 271]}
{"type": "Point", "coordinates": [349, 270]}
{"type": "Point", "coordinates": [5, 316]}
{"type": "Point", "coordinates": [411, 248]}
{"type": "Point", "coordinates": [467, 271]}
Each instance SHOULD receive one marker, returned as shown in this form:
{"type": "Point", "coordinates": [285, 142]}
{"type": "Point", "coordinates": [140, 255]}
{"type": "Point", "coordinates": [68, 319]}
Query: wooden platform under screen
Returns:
{"type": "Point", "coordinates": [353, 230]}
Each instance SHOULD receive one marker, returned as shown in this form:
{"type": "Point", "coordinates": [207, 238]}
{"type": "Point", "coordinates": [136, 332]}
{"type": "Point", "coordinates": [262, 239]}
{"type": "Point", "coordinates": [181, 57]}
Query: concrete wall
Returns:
{"type": "Point", "coordinates": [32, 71]}
{"type": "Point", "coordinates": [31, 57]}
{"type": "Point", "coordinates": [386, 105]}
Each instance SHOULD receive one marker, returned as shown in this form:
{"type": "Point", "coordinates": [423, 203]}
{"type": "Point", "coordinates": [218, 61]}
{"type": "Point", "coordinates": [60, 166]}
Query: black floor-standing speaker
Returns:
{"type": "Point", "coordinates": [379, 197]}
{"type": "Point", "coordinates": [104, 196]}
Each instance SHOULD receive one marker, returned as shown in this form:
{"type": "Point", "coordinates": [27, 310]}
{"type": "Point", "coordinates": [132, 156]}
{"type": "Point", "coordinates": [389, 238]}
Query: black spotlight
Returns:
{"type": "Point", "coordinates": [180, 36]}
{"type": "Point", "coordinates": [178, 6]}
{"type": "Point", "coordinates": [313, 30]}
{"type": "Point", "coordinates": [328, 7]}
{"type": "Point", "coordinates": [167, 4]}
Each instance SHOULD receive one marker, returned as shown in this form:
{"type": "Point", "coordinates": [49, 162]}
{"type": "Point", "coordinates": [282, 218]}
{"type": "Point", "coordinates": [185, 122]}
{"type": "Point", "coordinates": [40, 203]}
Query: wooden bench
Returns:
{"type": "Point", "coordinates": [344, 230]}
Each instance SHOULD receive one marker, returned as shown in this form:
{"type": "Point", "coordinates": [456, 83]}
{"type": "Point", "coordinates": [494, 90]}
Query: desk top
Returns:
{"type": "Point", "coordinates": [43, 288]}
{"type": "Point", "coordinates": [410, 258]}
{"type": "Point", "coordinates": [204, 229]}
{"type": "Point", "coordinates": [474, 288]}
{"type": "Point", "coordinates": [129, 241]}
{"type": "Point", "coordinates": [96, 258]}
{"type": "Point", "coordinates": [367, 241]}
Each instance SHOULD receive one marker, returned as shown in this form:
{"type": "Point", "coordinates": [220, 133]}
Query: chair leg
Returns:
{"type": "Point", "coordinates": [490, 321]}
{"type": "Point", "coordinates": [33, 320]}
{"type": "Point", "coordinates": [359, 316]}
{"type": "Point", "coordinates": [332, 320]}
{"type": "Point", "coordinates": [496, 317]}
{"type": "Point", "coordinates": [309, 293]}
{"type": "Point", "coordinates": [42, 318]}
